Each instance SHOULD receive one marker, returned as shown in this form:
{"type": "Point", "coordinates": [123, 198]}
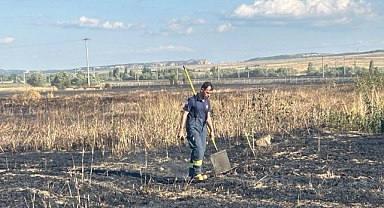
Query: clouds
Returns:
{"type": "Point", "coordinates": [85, 22]}
{"type": "Point", "coordinates": [178, 26]}
{"type": "Point", "coordinates": [333, 11]}
{"type": "Point", "coordinates": [302, 9]}
{"type": "Point", "coordinates": [7, 40]}
{"type": "Point", "coordinates": [181, 26]}
{"type": "Point", "coordinates": [173, 26]}
{"type": "Point", "coordinates": [225, 27]}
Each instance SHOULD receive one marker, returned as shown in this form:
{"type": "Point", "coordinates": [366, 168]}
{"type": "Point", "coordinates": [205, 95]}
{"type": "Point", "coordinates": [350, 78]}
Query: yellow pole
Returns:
{"type": "Point", "coordinates": [189, 80]}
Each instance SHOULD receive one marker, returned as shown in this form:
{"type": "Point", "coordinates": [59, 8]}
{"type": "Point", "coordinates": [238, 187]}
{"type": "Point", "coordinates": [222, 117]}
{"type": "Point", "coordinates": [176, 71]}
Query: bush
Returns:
{"type": "Point", "coordinates": [108, 86]}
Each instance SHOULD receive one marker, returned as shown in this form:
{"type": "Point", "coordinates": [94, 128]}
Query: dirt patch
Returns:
{"type": "Point", "coordinates": [322, 170]}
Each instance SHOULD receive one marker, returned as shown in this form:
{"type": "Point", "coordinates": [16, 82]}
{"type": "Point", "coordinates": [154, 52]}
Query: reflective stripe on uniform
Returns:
{"type": "Point", "coordinates": [190, 165]}
{"type": "Point", "coordinates": [197, 162]}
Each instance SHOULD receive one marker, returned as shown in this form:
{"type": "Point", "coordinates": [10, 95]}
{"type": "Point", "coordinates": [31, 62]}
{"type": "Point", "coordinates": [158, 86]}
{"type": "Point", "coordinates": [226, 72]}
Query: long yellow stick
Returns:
{"type": "Point", "coordinates": [194, 93]}
{"type": "Point", "coordinates": [189, 80]}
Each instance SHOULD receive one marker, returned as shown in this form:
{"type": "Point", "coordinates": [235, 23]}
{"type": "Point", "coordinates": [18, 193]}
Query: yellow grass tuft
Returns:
{"type": "Point", "coordinates": [26, 97]}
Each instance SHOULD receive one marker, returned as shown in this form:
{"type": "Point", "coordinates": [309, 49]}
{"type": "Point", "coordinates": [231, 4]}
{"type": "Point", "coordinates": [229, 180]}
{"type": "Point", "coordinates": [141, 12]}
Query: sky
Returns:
{"type": "Point", "coordinates": [50, 34]}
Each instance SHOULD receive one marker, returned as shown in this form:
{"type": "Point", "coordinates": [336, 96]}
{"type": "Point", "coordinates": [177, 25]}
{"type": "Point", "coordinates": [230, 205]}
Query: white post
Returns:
{"type": "Point", "coordinates": [86, 57]}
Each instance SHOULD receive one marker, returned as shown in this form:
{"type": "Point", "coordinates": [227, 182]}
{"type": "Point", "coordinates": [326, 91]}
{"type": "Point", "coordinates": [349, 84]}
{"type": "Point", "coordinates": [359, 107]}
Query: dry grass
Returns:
{"type": "Point", "coordinates": [26, 97]}
{"type": "Point", "coordinates": [22, 88]}
{"type": "Point", "coordinates": [150, 119]}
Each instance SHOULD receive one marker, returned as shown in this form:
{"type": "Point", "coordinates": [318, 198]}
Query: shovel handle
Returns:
{"type": "Point", "coordinates": [214, 143]}
{"type": "Point", "coordinates": [189, 80]}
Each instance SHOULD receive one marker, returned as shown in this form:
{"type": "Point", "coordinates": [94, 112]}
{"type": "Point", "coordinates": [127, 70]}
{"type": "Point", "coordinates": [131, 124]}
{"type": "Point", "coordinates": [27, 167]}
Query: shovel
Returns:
{"type": "Point", "coordinates": [220, 161]}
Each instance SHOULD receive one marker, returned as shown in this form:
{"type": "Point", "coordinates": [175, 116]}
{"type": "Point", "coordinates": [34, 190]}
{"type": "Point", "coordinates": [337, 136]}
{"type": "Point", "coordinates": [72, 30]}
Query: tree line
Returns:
{"type": "Point", "coordinates": [63, 80]}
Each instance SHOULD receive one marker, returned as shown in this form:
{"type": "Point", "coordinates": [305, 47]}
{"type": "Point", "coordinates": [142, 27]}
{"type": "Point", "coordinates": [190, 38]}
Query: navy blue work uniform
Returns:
{"type": "Point", "coordinates": [196, 126]}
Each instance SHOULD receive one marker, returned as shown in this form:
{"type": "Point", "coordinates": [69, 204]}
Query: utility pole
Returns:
{"type": "Point", "coordinates": [322, 65]}
{"type": "Point", "coordinates": [86, 57]}
{"type": "Point", "coordinates": [344, 65]}
{"type": "Point", "coordinates": [25, 72]}
{"type": "Point", "coordinates": [238, 72]}
{"type": "Point", "coordinates": [157, 74]}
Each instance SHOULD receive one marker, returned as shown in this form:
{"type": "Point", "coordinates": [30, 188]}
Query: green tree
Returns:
{"type": "Point", "coordinates": [311, 70]}
{"type": "Point", "coordinates": [361, 70]}
{"type": "Point", "coordinates": [146, 73]}
{"type": "Point", "coordinates": [80, 80]}
{"type": "Point", "coordinates": [371, 67]}
{"type": "Point", "coordinates": [62, 80]}
{"type": "Point", "coordinates": [103, 76]}
{"type": "Point", "coordinates": [116, 73]}
{"type": "Point", "coordinates": [247, 70]}
{"type": "Point", "coordinates": [214, 71]}
{"type": "Point", "coordinates": [6, 78]}
{"type": "Point", "coordinates": [125, 77]}
{"type": "Point", "coordinates": [173, 80]}
{"type": "Point", "coordinates": [379, 70]}
{"type": "Point", "coordinates": [14, 77]}
{"type": "Point", "coordinates": [94, 80]}
{"type": "Point", "coordinates": [36, 79]}
{"type": "Point", "coordinates": [146, 70]}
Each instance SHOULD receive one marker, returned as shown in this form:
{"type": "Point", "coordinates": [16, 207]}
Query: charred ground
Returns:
{"type": "Point", "coordinates": [323, 169]}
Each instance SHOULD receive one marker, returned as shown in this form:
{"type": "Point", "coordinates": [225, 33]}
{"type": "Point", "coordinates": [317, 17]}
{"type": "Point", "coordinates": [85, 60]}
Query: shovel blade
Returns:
{"type": "Point", "coordinates": [220, 162]}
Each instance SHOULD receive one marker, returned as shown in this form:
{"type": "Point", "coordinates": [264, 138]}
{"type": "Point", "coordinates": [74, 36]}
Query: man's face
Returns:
{"type": "Point", "coordinates": [207, 92]}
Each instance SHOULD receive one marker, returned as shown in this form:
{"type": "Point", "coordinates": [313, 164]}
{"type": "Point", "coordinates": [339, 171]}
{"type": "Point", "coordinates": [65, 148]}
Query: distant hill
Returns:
{"type": "Point", "coordinates": [113, 66]}
{"type": "Point", "coordinates": [9, 72]}
{"type": "Point", "coordinates": [160, 64]}
{"type": "Point", "coordinates": [307, 55]}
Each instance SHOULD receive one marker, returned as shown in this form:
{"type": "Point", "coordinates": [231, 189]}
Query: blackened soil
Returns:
{"type": "Point", "coordinates": [320, 170]}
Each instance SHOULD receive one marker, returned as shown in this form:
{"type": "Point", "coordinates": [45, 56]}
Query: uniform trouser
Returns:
{"type": "Point", "coordinates": [197, 139]}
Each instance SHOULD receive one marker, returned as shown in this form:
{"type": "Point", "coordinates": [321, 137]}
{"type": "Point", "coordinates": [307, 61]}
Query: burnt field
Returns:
{"type": "Point", "coordinates": [117, 148]}
{"type": "Point", "coordinates": [325, 170]}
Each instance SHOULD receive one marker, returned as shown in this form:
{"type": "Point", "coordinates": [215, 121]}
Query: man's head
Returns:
{"type": "Point", "coordinates": [206, 90]}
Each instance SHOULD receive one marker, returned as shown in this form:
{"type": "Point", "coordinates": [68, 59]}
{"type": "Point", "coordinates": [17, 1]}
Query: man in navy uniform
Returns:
{"type": "Point", "coordinates": [196, 117]}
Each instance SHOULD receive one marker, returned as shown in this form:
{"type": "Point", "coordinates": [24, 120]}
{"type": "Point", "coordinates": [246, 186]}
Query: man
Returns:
{"type": "Point", "coordinates": [196, 117]}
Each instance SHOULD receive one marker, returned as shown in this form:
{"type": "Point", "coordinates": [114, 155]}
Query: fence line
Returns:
{"type": "Point", "coordinates": [245, 81]}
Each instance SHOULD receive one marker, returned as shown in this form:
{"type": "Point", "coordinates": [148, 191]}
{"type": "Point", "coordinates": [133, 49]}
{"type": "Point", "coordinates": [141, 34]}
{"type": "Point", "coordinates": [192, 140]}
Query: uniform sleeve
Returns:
{"type": "Point", "coordinates": [187, 105]}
